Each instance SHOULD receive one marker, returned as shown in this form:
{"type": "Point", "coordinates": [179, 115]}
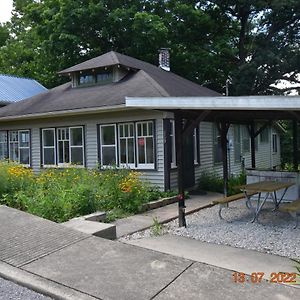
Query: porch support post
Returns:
{"type": "Point", "coordinates": [180, 162]}
{"type": "Point", "coordinates": [224, 126]}
{"type": "Point", "coordinates": [295, 145]}
{"type": "Point", "coordinates": [252, 137]}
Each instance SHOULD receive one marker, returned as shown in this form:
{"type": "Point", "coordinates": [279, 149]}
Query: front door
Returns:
{"type": "Point", "coordinates": [188, 161]}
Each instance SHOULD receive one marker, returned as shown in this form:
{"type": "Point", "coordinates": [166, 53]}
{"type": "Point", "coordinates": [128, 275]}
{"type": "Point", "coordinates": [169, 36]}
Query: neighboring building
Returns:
{"type": "Point", "coordinates": [85, 122]}
{"type": "Point", "coordinates": [14, 89]}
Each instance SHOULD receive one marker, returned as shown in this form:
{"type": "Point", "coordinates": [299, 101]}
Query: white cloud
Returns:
{"type": "Point", "coordinates": [5, 10]}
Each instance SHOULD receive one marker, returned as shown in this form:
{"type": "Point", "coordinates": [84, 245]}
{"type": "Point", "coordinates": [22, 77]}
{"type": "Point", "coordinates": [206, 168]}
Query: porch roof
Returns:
{"type": "Point", "coordinates": [241, 108]}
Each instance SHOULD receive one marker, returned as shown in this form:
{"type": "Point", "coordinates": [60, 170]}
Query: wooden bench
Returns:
{"type": "Point", "coordinates": [293, 208]}
{"type": "Point", "coordinates": [224, 201]}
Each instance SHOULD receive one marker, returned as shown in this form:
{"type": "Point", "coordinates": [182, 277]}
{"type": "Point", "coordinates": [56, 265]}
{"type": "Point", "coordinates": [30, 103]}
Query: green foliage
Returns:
{"type": "Point", "coordinates": [59, 195]}
{"type": "Point", "coordinates": [156, 228]}
{"type": "Point", "coordinates": [214, 183]}
{"type": "Point", "coordinates": [256, 43]}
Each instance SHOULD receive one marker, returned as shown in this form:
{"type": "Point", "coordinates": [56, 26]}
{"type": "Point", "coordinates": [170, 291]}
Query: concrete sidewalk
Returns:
{"type": "Point", "coordinates": [163, 214]}
{"type": "Point", "coordinates": [33, 252]}
{"type": "Point", "coordinates": [226, 257]}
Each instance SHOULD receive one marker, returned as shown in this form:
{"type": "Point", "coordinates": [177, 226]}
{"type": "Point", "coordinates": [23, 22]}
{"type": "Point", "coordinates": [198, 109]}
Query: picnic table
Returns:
{"type": "Point", "coordinates": [270, 188]}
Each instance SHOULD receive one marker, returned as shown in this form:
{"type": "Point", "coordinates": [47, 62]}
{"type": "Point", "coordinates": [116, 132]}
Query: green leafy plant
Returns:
{"type": "Point", "coordinates": [157, 228]}
{"type": "Point", "coordinates": [214, 183]}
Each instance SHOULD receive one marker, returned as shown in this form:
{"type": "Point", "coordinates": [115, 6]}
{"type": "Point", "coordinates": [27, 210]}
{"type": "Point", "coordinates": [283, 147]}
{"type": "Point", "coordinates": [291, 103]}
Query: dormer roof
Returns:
{"type": "Point", "coordinates": [142, 80]}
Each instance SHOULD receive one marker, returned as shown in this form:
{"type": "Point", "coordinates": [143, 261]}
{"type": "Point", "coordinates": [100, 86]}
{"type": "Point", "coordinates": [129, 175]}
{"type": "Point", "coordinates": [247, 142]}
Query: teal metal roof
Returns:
{"type": "Point", "coordinates": [14, 89]}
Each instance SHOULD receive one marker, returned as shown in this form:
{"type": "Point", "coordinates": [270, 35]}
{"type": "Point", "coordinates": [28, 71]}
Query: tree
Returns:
{"type": "Point", "coordinates": [255, 43]}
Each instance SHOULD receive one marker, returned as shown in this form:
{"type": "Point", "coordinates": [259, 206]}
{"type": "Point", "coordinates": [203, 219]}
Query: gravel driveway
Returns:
{"type": "Point", "coordinates": [273, 233]}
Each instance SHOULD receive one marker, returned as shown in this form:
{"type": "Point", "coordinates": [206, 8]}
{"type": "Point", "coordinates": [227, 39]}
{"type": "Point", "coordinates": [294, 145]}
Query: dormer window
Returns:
{"type": "Point", "coordinates": [86, 79]}
{"type": "Point", "coordinates": [95, 78]}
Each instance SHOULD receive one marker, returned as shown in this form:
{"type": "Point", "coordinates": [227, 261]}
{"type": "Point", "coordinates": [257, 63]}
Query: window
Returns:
{"type": "Point", "coordinates": [172, 143]}
{"type": "Point", "coordinates": [24, 147]}
{"type": "Point", "coordinates": [3, 145]}
{"type": "Point", "coordinates": [108, 141]}
{"type": "Point", "coordinates": [274, 143]}
{"type": "Point", "coordinates": [49, 145]}
{"type": "Point", "coordinates": [104, 77]}
{"type": "Point", "coordinates": [237, 143]}
{"type": "Point", "coordinates": [126, 145]}
{"type": "Point", "coordinates": [196, 145]}
{"type": "Point", "coordinates": [15, 145]}
{"type": "Point", "coordinates": [86, 79]}
{"type": "Point", "coordinates": [145, 144]}
{"type": "Point", "coordinates": [217, 147]}
{"type": "Point", "coordinates": [63, 146]}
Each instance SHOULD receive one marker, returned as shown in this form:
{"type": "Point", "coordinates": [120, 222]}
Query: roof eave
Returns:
{"type": "Point", "coordinates": [71, 112]}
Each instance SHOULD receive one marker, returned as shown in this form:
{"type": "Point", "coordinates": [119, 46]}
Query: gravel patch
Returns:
{"type": "Point", "coordinates": [12, 291]}
{"type": "Point", "coordinates": [273, 233]}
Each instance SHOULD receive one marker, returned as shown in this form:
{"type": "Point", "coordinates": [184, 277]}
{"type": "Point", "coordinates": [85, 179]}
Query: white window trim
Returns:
{"type": "Point", "coordinates": [127, 165]}
{"type": "Point", "coordinates": [5, 143]}
{"type": "Point", "coordinates": [196, 146]}
{"type": "Point", "coordinates": [19, 147]}
{"type": "Point", "coordinates": [49, 147]}
{"type": "Point", "coordinates": [9, 142]}
{"type": "Point", "coordinates": [145, 165]}
{"type": "Point", "coordinates": [63, 165]}
{"type": "Point", "coordinates": [77, 146]}
{"type": "Point", "coordinates": [172, 137]}
{"type": "Point", "coordinates": [56, 152]}
{"type": "Point", "coordinates": [111, 145]}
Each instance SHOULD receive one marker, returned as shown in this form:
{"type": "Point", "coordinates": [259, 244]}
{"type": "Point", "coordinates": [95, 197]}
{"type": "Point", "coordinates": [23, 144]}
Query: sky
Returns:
{"type": "Point", "coordinates": [5, 10]}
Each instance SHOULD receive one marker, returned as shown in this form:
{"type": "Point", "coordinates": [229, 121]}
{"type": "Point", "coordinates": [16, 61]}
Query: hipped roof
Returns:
{"type": "Point", "coordinates": [144, 80]}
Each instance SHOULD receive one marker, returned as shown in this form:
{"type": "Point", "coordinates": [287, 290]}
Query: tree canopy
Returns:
{"type": "Point", "coordinates": [250, 44]}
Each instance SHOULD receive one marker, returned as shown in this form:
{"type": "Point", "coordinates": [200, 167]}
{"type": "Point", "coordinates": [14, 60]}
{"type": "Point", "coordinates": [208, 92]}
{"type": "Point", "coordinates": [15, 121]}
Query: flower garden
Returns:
{"type": "Point", "coordinates": [61, 194]}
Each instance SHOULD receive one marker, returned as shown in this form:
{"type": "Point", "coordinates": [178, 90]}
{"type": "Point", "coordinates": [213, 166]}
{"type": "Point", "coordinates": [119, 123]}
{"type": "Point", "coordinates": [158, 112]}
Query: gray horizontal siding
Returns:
{"type": "Point", "coordinates": [155, 177]}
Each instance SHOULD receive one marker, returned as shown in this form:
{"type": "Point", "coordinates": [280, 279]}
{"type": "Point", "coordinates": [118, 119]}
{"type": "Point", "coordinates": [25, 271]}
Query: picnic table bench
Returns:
{"type": "Point", "coordinates": [224, 201]}
{"type": "Point", "coordinates": [293, 208]}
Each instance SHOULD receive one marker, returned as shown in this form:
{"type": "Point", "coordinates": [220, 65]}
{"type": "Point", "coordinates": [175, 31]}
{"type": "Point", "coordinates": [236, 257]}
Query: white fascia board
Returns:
{"type": "Point", "coordinates": [62, 113]}
{"type": "Point", "coordinates": [282, 103]}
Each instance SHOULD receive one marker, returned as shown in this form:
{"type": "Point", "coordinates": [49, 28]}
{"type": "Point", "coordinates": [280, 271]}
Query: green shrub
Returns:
{"type": "Point", "coordinates": [214, 183]}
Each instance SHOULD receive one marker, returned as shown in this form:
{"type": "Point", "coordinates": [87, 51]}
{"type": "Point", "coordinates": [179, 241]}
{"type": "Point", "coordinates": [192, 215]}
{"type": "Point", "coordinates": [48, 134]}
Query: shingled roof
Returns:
{"type": "Point", "coordinates": [144, 80]}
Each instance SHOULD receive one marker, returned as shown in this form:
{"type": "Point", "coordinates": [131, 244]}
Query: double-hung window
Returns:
{"type": "Point", "coordinates": [108, 144]}
{"type": "Point", "coordinates": [145, 144]}
{"type": "Point", "coordinates": [126, 145]}
{"type": "Point", "coordinates": [3, 145]}
{"type": "Point", "coordinates": [172, 144]}
{"type": "Point", "coordinates": [63, 146]}
{"type": "Point", "coordinates": [15, 145]}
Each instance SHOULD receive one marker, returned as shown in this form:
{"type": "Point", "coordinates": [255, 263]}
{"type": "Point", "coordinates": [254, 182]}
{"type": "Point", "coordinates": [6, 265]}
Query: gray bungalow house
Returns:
{"type": "Point", "coordinates": [85, 122]}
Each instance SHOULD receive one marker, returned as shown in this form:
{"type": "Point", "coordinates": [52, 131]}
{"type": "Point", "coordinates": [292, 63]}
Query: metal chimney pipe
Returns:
{"type": "Point", "coordinates": [164, 59]}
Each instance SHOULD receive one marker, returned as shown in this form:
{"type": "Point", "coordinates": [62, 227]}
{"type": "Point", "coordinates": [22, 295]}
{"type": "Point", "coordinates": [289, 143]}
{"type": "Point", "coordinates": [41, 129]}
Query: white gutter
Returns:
{"type": "Point", "coordinates": [279, 103]}
{"type": "Point", "coordinates": [72, 112]}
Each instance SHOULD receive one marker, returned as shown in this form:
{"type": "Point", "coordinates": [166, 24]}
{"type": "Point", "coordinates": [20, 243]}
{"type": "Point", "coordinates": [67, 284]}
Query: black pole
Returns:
{"type": "Point", "coordinates": [295, 145]}
{"type": "Point", "coordinates": [252, 137]}
{"type": "Point", "coordinates": [180, 163]}
{"type": "Point", "coordinates": [224, 129]}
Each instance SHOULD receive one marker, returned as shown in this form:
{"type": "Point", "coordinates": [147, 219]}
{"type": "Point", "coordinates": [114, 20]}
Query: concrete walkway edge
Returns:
{"type": "Point", "coordinates": [41, 285]}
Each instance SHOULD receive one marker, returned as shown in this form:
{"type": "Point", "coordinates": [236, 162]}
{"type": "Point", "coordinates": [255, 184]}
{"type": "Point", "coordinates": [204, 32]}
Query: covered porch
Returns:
{"type": "Point", "coordinates": [223, 111]}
